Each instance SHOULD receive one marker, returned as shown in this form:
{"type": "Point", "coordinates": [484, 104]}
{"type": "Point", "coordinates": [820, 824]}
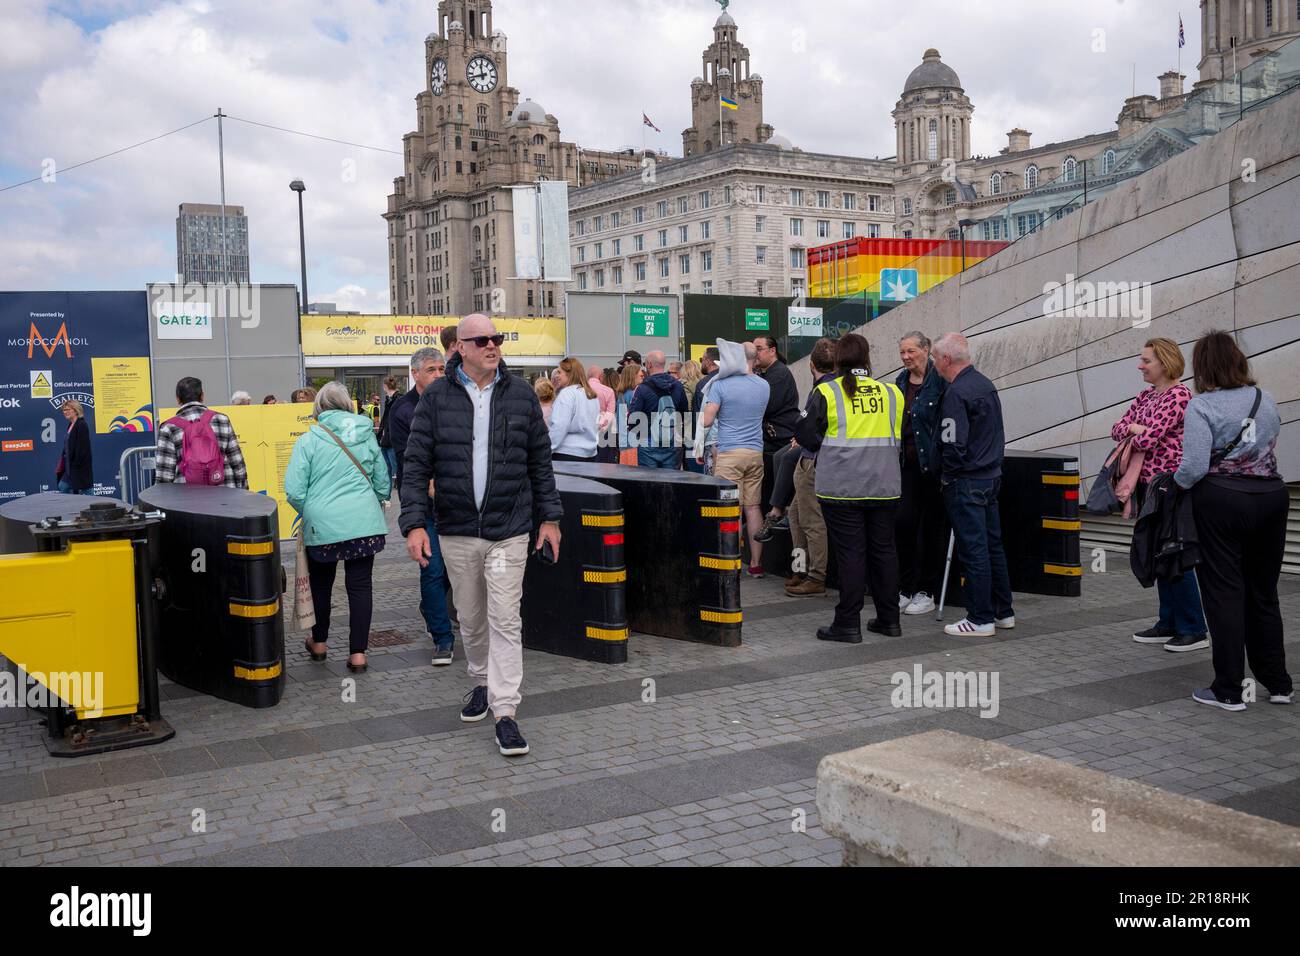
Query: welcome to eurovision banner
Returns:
{"type": "Point", "coordinates": [90, 346]}
{"type": "Point", "coordinates": [403, 334]}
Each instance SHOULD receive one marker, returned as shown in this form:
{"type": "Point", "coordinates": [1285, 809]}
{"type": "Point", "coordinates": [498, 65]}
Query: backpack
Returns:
{"type": "Point", "coordinates": [665, 423]}
{"type": "Point", "coordinates": [201, 461]}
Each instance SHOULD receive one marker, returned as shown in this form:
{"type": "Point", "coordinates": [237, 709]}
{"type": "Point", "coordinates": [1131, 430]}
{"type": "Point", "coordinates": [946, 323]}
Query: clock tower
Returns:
{"type": "Point", "coordinates": [726, 74]}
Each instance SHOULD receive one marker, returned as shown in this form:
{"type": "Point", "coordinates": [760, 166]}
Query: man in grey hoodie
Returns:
{"type": "Point", "coordinates": [661, 401]}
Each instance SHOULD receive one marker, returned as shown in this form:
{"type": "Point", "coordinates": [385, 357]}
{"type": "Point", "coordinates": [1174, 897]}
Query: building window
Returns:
{"type": "Point", "coordinates": [638, 243]}
{"type": "Point", "coordinates": [796, 259]}
{"type": "Point", "coordinates": [954, 234]}
{"type": "Point", "coordinates": [760, 254]}
{"type": "Point", "coordinates": [796, 197]}
{"type": "Point", "coordinates": [600, 250]}
{"type": "Point", "coordinates": [618, 247]}
{"type": "Point", "coordinates": [726, 195]}
{"type": "Point", "coordinates": [481, 117]}
{"type": "Point", "coordinates": [762, 287]}
{"type": "Point", "coordinates": [760, 194]}
{"type": "Point", "coordinates": [932, 150]}
{"type": "Point", "coordinates": [823, 199]}
{"type": "Point", "coordinates": [638, 270]}
{"type": "Point", "coordinates": [704, 199]}
{"type": "Point", "coordinates": [873, 230]}
{"type": "Point", "coordinates": [600, 278]}
{"type": "Point", "coordinates": [683, 205]}
{"type": "Point", "coordinates": [582, 281]}
{"type": "Point", "coordinates": [1268, 14]}
{"type": "Point", "coordinates": [704, 229]}
{"type": "Point", "coordinates": [615, 220]}
{"type": "Point", "coordinates": [683, 233]}
{"type": "Point", "coordinates": [1070, 169]}
{"type": "Point", "coordinates": [995, 184]}
{"type": "Point", "coordinates": [638, 214]}
{"type": "Point", "coordinates": [617, 276]}
{"type": "Point", "coordinates": [848, 230]}
{"type": "Point", "coordinates": [684, 265]}
{"type": "Point", "coordinates": [582, 253]}
{"type": "Point", "coordinates": [707, 287]}
{"type": "Point", "coordinates": [1031, 177]}
{"type": "Point", "coordinates": [823, 228]}
{"type": "Point", "coordinates": [907, 207]}
{"type": "Point", "coordinates": [706, 261]}
{"type": "Point", "coordinates": [907, 233]}
{"type": "Point", "coordinates": [851, 201]}
{"type": "Point", "coordinates": [796, 227]}
{"type": "Point", "coordinates": [663, 268]}
{"type": "Point", "coordinates": [950, 197]}
{"type": "Point", "coordinates": [582, 227]}
{"type": "Point", "coordinates": [663, 238]}
{"type": "Point", "coordinates": [597, 223]}
{"type": "Point", "coordinates": [663, 209]}
{"type": "Point", "coordinates": [1108, 159]}
{"type": "Point", "coordinates": [726, 221]}
{"type": "Point", "coordinates": [796, 286]}
{"type": "Point", "coordinates": [728, 251]}
{"type": "Point", "coordinates": [760, 223]}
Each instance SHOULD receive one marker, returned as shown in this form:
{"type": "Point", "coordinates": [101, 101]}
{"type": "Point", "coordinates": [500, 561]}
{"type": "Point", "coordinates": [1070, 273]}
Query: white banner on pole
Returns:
{"type": "Point", "coordinates": [554, 203]}
{"type": "Point", "coordinates": [528, 263]}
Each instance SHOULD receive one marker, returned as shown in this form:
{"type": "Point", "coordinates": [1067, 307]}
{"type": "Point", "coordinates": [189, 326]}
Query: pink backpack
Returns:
{"type": "Point", "coordinates": [201, 461]}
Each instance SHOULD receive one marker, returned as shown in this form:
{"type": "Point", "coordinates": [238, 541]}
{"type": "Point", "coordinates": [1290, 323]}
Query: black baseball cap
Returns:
{"type": "Point", "coordinates": [631, 355]}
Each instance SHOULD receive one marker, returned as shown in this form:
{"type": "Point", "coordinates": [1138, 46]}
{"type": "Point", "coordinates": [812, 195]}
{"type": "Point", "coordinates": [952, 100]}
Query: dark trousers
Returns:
{"type": "Point", "coordinates": [357, 574]}
{"type": "Point", "coordinates": [1241, 536]}
{"type": "Point", "coordinates": [783, 463]}
{"type": "Point", "coordinates": [435, 591]}
{"type": "Point", "coordinates": [557, 456]}
{"type": "Point", "coordinates": [922, 533]}
{"type": "Point", "coordinates": [862, 538]}
{"type": "Point", "coordinates": [972, 505]}
{"type": "Point", "coordinates": [1180, 606]}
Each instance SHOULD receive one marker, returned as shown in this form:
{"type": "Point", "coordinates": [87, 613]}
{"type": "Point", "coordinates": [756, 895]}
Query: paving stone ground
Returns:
{"type": "Point", "coordinates": [718, 770]}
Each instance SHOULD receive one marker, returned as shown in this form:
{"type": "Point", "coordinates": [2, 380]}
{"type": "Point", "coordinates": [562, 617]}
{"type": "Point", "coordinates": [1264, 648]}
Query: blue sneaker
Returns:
{"type": "Point", "coordinates": [476, 705]}
{"type": "Point", "coordinates": [509, 740]}
{"type": "Point", "coordinates": [1206, 696]}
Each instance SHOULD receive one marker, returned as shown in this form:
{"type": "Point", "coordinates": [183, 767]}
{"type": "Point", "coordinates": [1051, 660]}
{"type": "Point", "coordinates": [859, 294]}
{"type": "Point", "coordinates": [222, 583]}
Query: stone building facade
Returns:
{"type": "Point", "coordinates": [1250, 27]}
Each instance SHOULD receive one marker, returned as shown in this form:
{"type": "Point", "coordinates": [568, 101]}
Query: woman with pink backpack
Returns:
{"type": "Point", "coordinates": [197, 446]}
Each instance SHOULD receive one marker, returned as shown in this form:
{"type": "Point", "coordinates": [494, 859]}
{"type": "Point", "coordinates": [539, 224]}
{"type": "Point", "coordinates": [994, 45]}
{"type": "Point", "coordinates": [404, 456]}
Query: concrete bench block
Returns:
{"type": "Point", "coordinates": [945, 799]}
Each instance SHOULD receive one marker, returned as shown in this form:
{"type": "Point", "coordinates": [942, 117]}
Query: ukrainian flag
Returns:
{"type": "Point", "coordinates": [729, 104]}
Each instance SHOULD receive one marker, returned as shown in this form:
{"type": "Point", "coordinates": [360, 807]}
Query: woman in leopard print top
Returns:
{"type": "Point", "coordinates": [1155, 420]}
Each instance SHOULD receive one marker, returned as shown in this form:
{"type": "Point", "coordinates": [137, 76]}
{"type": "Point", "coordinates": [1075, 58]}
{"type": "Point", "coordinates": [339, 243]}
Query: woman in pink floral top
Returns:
{"type": "Point", "coordinates": [1155, 420]}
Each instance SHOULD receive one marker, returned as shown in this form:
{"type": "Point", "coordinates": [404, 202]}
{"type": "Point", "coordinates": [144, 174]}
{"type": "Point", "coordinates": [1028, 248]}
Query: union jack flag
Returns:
{"type": "Point", "coordinates": [646, 121]}
{"type": "Point", "coordinates": [1182, 39]}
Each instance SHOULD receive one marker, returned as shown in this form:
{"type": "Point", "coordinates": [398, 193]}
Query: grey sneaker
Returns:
{"type": "Point", "coordinates": [442, 656]}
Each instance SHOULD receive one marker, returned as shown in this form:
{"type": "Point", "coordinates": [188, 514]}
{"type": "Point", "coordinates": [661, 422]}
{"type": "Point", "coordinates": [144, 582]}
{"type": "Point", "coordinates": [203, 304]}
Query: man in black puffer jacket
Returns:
{"type": "Point", "coordinates": [478, 433]}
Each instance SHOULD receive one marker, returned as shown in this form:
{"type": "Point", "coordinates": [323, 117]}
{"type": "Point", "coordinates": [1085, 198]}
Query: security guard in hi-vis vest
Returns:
{"type": "Point", "coordinates": [855, 424]}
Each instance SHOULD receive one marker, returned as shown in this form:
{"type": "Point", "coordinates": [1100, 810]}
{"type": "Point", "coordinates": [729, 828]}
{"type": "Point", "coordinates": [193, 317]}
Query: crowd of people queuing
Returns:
{"type": "Point", "coordinates": [879, 474]}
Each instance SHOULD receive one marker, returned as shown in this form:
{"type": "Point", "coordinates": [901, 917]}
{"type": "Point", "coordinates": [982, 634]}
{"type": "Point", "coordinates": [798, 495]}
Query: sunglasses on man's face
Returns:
{"type": "Point", "coordinates": [481, 341]}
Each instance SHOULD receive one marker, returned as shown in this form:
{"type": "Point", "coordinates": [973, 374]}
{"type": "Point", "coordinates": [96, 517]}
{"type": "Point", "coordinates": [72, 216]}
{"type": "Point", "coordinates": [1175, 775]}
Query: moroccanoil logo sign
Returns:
{"type": "Point", "coordinates": [48, 345]}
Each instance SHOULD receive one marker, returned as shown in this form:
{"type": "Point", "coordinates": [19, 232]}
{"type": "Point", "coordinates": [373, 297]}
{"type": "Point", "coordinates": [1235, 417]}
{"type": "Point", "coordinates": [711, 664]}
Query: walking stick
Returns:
{"type": "Point", "coordinates": [943, 593]}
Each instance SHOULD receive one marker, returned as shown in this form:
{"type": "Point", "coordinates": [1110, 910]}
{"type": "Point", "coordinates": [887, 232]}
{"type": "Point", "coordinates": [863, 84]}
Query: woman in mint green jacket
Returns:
{"type": "Point", "coordinates": [336, 480]}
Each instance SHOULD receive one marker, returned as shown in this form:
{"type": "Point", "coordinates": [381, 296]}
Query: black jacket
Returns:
{"type": "Point", "coordinates": [782, 405]}
{"type": "Point", "coordinates": [77, 466]}
{"type": "Point", "coordinates": [520, 491]}
{"type": "Point", "coordinates": [924, 417]}
{"type": "Point", "coordinates": [399, 426]}
{"type": "Point", "coordinates": [978, 441]}
{"type": "Point", "coordinates": [1164, 539]}
{"type": "Point", "coordinates": [385, 439]}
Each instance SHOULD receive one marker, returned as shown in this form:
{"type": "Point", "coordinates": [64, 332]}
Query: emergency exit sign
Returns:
{"type": "Point", "coordinates": [756, 320]}
{"type": "Point", "coordinates": [647, 319]}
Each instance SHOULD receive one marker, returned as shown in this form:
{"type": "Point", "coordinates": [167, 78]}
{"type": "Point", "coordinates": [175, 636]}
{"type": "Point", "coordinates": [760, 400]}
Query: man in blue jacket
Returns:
{"type": "Point", "coordinates": [661, 400]}
{"type": "Point", "coordinates": [971, 446]}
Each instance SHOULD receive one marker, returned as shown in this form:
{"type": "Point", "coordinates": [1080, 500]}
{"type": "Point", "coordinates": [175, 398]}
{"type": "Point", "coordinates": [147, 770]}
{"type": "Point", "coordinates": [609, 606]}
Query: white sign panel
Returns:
{"type": "Point", "coordinates": [554, 201]}
{"type": "Point", "coordinates": [528, 260]}
{"type": "Point", "coordinates": [805, 322]}
{"type": "Point", "coordinates": [183, 320]}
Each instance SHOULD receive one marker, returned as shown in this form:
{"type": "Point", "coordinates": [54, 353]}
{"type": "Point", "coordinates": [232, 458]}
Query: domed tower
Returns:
{"type": "Point", "coordinates": [725, 75]}
{"type": "Point", "coordinates": [932, 117]}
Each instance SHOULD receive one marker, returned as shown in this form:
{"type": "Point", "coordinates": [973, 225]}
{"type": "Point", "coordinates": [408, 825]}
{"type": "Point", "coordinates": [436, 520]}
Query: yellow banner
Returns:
{"type": "Point", "coordinates": [123, 395]}
{"type": "Point", "coordinates": [267, 434]}
{"type": "Point", "coordinates": [400, 335]}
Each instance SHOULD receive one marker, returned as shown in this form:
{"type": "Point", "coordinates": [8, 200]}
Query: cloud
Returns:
{"type": "Point", "coordinates": [92, 77]}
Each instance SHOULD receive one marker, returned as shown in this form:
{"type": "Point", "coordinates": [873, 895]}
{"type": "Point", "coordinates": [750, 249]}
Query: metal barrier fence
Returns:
{"type": "Point", "coordinates": [135, 472]}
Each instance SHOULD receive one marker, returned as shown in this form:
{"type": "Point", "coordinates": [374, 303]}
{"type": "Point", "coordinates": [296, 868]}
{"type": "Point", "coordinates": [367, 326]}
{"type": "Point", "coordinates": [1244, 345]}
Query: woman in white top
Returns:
{"type": "Point", "coordinates": [575, 415]}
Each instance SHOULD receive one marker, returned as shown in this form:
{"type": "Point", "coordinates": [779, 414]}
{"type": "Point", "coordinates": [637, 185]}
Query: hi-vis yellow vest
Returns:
{"type": "Point", "coordinates": [859, 457]}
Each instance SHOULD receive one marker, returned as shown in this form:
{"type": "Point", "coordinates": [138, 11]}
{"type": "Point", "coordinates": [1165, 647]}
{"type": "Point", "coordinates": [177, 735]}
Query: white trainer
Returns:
{"type": "Point", "coordinates": [921, 604]}
{"type": "Point", "coordinates": [1005, 623]}
{"type": "Point", "coordinates": [903, 601]}
{"type": "Point", "coordinates": [966, 628]}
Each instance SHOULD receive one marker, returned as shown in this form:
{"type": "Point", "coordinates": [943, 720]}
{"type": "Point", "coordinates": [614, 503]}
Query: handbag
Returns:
{"type": "Point", "coordinates": [1101, 496]}
{"type": "Point", "coordinates": [304, 610]}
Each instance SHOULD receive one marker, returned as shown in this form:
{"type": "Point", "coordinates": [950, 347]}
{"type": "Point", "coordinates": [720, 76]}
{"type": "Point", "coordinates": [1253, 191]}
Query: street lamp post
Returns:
{"type": "Point", "coordinates": [298, 187]}
{"type": "Point", "coordinates": [962, 224]}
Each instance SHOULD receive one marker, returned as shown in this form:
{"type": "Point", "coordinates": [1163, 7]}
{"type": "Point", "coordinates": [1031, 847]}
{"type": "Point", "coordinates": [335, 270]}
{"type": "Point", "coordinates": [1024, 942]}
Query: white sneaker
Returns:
{"type": "Point", "coordinates": [1005, 623]}
{"type": "Point", "coordinates": [1279, 698]}
{"type": "Point", "coordinates": [965, 628]}
{"type": "Point", "coordinates": [921, 603]}
{"type": "Point", "coordinates": [903, 601]}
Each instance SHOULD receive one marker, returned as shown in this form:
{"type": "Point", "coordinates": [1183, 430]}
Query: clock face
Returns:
{"type": "Point", "coordinates": [438, 76]}
{"type": "Point", "coordinates": [482, 74]}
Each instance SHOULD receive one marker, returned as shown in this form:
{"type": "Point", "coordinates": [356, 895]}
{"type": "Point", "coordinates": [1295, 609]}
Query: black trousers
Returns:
{"type": "Point", "coordinates": [921, 533]}
{"type": "Point", "coordinates": [557, 456]}
{"type": "Point", "coordinates": [356, 578]}
{"type": "Point", "coordinates": [783, 463]}
{"type": "Point", "coordinates": [1242, 535]}
{"type": "Point", "coordinates": [862, 538]}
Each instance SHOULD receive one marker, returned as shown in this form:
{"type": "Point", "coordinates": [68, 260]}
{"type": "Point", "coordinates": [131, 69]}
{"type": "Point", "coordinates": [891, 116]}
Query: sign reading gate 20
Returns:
{"type": "Point", "coordinates": [51, 345]}
{"type": "Point", "coordinates": [647, 319]}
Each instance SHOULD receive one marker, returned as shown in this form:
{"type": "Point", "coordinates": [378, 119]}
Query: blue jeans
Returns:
{"type": "Point", "coordinates": [648, 457]}
{"type": "Point", "coordinates": [1180, 605]}
{"type": "Point", "coordinates": [66, 488]}
{"type": "Point", "coordinates": [390, 459]}
{"type": "Point", "coordinates": [433, 592]}
{"type": "Point", "coordinates": [972, 505]}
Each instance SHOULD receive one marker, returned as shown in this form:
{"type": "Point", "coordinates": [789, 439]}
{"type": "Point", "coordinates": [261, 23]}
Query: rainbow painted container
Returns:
{"type": "Point", "coordinates": [890, 270]}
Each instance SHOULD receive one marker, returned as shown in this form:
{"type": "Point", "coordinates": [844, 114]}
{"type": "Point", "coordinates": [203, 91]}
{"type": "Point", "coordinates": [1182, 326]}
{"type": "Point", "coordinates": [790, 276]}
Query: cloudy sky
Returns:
{"type": "Point", "coordinates": [85, 78]}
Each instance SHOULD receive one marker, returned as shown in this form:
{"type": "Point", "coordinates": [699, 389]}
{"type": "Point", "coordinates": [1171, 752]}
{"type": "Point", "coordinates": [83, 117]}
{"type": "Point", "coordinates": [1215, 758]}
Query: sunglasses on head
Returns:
{"type": "Point", "coordinates": [481, 341]}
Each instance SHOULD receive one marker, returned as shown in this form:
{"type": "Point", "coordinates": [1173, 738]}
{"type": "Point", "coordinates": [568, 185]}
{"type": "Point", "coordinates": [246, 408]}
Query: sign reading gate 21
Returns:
{"type": "Point", "coordinates": [647, 319]}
